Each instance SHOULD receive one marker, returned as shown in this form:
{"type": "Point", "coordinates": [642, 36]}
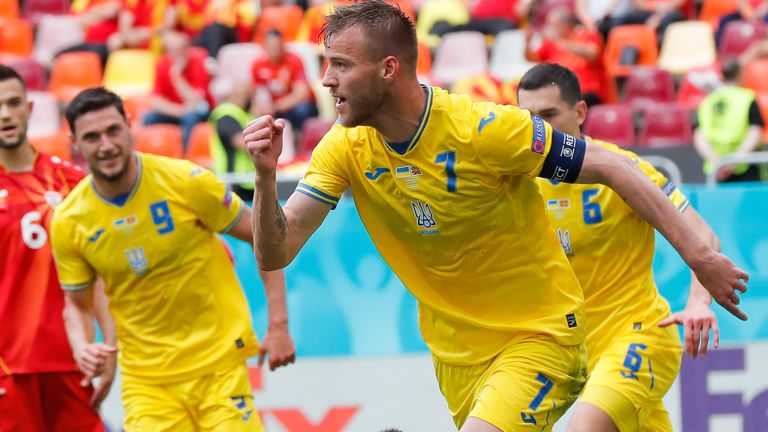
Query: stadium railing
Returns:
{"type": "Point", "coordinates": [760, 157]}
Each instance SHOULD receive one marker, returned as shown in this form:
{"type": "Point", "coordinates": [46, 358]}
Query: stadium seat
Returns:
{"type": "Point", "coordinates": [9, 9]}
{"type": "Point", "coordinates": [54, 33]}
{"type": "Point", "coordinates": [612, 123]}
{"type": "Point", "coordinates": [57, 144]}
{"type": "Point", "coordinates": [762, 104]}
{"type": "Point", "coordinates": [508, 55]}
{"type": "Point", "coordinates": [159, 139]}
{"type": "Point", "coordinates": [639, 36]}
{"type": "Point", "coordinates": [285, 18]}
{"type": "Point", "coordinates": [33, 73]}
{"type": "Point", "coordinates": [46, 117]}
{"type": "Point", "coordinates": [313, 131]}
{"type": "Point", "coordinates": [310, 58]}
{"type": "Point", "coordinates": [738, 36]}
{"type": "Point", "coordinates": [34, 10]}
{"type": "Point", "coordinates": [424, 65]}
{"type": "Point", "coordinates": [712, 10]}
{"type": "Point", "coordinates": [74, 72]}
{"type": "Point", "coordinates": [453, 12]}
{"type": "Point", "coordinates": [136, 107]}
{"type": "Point", "coordinates": [678, 51]}
{"type": "Point", "coordinates": [234, 61]}
{"type": "Point", "coordinates": [199, 150]}
{"type": "Point", "coordinates": [647, 86]}
{"type": "Point", "coordinates": [16, 37]}
{"type": "Point", "coordinates": [696, 84]}
{"type": "Point", "coordinates": [130, 72]}
{"type": "Point", "coordinates": [667, 125]}
{"type": "Point", "coordinates": [754, 75]}
{"type": "Point", "coordinates": [460, 55]}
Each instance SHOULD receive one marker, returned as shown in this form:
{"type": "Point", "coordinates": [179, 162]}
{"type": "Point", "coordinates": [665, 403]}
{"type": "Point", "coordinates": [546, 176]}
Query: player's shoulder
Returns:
{"type": "Point", "coordinates": [76, 203]}
{"type": "Point", "coordinates": [476, 114]}
{"type": "Point", "coordinates": [168, 168]}
{"type": "Point", "coordinates": [70, 171]}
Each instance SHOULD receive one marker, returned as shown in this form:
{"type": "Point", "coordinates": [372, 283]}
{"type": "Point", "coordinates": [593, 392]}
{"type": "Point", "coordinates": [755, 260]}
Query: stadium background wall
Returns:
{"type": "Point", "coordinates": [362, 365]}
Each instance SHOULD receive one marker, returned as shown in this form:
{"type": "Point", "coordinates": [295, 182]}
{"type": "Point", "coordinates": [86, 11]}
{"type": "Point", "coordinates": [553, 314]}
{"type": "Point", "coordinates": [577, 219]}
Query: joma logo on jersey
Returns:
{"type": "Point", "coordinates": [423, 213]}
{"type": "Point", "coordinates": [137, 260]}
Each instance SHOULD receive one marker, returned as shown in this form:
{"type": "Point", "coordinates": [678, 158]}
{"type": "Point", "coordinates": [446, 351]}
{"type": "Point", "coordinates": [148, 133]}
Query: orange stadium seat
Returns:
{"type": "Point", "coordinates": [199, 150]}
{"type": "Point", "coordinates": [57, 144]}
{"type": "Point", "coordinates": [712, 10]}
{"type": "Point", "coordinates": [285, 18]}
{"type": "Point", "coordinates": [754, 75]}
{"type": "Point", "coordinates": [74, 72]}
{"type": "Point", "coordinates": [647, 86]}
{"type": "Point", "coordinates": [159, 139]}
{"type": "Point", "coordinates": [32, 72]}
{"type": "Point", "coordinates": [612, 123]}
{"type": "Point", "coordinates": [424, 65]}
{"type": "Point", "coordinates": [9, 9]}
{"type": "Point", "coordinates": [667, 125]}
{"type": "Point", "coordinates": [313, 131]}
{"type": "Point", "coordinates": [738, 36]}
{"type": "Point", "coordinates": [16, 37]}
{"type": "Point", "coordinates": [762, 103]}
{"type": "Point", "coordinates": [639, 36]}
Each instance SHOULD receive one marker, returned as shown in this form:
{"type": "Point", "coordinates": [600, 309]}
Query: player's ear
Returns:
{"type": "Point", "coordinates": [390, 67]}
{"type": "Point", "coordinates": [581, 112]}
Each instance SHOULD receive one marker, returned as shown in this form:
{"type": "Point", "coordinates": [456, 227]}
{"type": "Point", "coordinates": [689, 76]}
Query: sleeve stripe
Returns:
{"type": "Point", "coordinates": [78, 286]}
{"type": "Point", "coordinates": [683, 206]}
{"type": "Point", "coordinates": [317, 194]}
{"type": "Point", "coordinates": [234, 222]}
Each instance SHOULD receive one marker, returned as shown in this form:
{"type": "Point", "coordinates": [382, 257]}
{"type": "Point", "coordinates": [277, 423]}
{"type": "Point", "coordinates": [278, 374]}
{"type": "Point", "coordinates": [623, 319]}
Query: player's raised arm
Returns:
{"type": "Point", "coordinates": [278, 233]}
{"type": "Point", "coordinates": [715, 271]}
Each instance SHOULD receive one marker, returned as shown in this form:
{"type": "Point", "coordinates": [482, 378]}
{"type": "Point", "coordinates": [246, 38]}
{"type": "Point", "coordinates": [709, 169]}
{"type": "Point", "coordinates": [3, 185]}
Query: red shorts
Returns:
{"type": "Point", "coordinates": [47, 402]}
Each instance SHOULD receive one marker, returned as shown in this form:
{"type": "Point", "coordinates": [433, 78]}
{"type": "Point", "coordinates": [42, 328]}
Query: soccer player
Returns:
{"type": "Point", "coordinates": [632, 360]}
{"type": "Point", "coordinates": [147, 225]}
{"type": "Point", "coordinates": [445, 189]}
{"type": "Point", "coordinates": [40, 384]}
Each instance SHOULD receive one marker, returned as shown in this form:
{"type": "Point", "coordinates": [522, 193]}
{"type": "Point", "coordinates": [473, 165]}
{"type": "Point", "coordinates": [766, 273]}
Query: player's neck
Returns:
{"type": "Point", "coordinates": [401, 115]}
{"type": "Point", "coordinates": [18, 159]}
{"type": "Point", "coordinates": [111, 189]}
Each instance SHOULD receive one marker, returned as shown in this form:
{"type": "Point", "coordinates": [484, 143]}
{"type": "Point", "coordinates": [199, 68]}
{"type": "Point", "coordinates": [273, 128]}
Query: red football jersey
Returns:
{"type": "Point", "coordinates": [33, 338]}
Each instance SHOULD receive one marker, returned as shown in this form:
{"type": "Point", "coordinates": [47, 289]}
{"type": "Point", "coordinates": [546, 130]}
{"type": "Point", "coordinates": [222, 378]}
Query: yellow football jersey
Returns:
{"type": "Point", "coordinates": [455, 213]}
{"type": "Point", "coordinates": [179, 309]}
{"type": "Point", "coordinates": [611, 250]}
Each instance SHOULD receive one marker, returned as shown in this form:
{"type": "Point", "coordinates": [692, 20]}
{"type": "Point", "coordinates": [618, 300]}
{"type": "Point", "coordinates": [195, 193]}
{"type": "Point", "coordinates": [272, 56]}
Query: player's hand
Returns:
{"type": "Point", "coordinates": [278, 346]}
{"type": "Point", "coordinates": [264, 139]}
{"type": "Point", "coordinates": [722, 279]}
{"type": "Point", "coordinates": [106, 378]}
{"type": "Point", "coordinates": [697, 319]}
{"type": "Point", "coordinates": [93, 359]}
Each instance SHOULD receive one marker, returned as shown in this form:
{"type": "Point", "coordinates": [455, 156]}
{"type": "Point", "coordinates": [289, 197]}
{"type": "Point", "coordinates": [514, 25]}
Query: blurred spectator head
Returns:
{"type": "Point", "coordinates": [176, 45]}
{"type": "Point", "coordinates": [731, 70]}
{"type": "Point", "coordinates": [561, 21]}
{"type": "Point", "coordinates": [274, 46]}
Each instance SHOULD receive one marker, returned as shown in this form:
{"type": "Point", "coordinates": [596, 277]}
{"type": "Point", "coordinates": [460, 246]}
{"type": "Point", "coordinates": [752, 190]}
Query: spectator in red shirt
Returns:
{"type": "Point", "coordinates": [41, 387]}
{"type": "Point", "coordinates": [565, 42]}
{"type": "Point", "coordinates": [281, 87]}
{"type": "Point", "coordinates": [181, 95]}
{"type": "Point", "coordinates": [137, 23]}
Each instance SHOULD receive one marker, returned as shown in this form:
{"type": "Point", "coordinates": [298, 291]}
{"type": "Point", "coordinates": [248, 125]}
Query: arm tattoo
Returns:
{"type": "Point", "coordinates": [280, 221]}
